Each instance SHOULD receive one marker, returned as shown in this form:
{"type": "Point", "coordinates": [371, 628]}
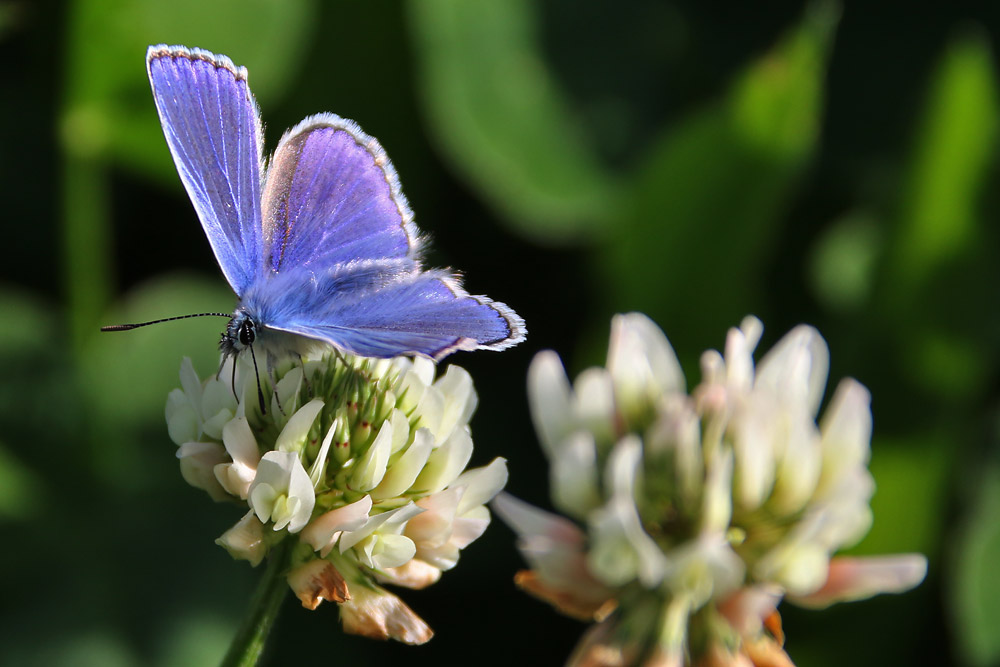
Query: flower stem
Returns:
{"type": "Point", "coordinates": [248, 644]}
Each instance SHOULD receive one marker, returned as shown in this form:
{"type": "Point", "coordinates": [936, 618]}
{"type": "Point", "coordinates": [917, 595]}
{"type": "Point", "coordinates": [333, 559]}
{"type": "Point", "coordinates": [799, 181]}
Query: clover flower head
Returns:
{"type": "Point", "coordinates": [692, 515]}
{"type": "Point", "coordinates": [360, 462]}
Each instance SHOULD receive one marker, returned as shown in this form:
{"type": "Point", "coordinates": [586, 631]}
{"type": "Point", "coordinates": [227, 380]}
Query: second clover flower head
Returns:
{"type": "Point", "coordinates": [691, 515]}
{"type": "Point", "coordinates": [361, 462]}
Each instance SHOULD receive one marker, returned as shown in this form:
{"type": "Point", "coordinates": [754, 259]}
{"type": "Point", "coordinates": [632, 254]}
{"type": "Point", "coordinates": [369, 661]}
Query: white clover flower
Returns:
{"type": "Point", "coordinates": [200, 409]}
{"type": "Point", "coordinates": [198, 462]}
{"type": "Point", "coordinates": [454, 517]}
{"type": "Point", "coordinates": [372, 612]}
{"type": "Point", "coordinates": [324, 531]}
{"type": "Point", "coordinates": [246, 540]}
{"type": "Point", "coordinates": [316, 580]}
{"type": "Point", "coordinates": [361, 462]}
{"type": "Point", "coordinates": [237, 472]}
{"type": "Point", "coordinates": [282, 492]}
{"type": "Point", "coordinates": [377, 543]}
{"type": "Point", "coordinates": [698, 513]}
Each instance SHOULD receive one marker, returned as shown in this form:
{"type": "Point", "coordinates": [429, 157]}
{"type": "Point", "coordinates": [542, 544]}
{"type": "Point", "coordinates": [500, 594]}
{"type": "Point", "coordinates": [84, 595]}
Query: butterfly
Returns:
{"type": "Point", "coordinates": [318, 243]}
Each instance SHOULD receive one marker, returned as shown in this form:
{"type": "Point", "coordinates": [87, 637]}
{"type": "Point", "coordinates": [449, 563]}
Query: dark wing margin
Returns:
{"type": "Point", "coordinates": [212, 127]}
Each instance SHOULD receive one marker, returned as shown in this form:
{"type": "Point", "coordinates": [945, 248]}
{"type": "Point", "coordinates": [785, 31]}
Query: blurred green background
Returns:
{"type": "Point", "coordinates": [805, 162]}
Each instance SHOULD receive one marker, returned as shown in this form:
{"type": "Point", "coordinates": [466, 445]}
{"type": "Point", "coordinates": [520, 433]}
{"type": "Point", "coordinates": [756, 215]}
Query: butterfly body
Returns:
{"type": "Point", "coordinates": [319, 243]}
{"type": "Point", "coordinates": [244, 331]}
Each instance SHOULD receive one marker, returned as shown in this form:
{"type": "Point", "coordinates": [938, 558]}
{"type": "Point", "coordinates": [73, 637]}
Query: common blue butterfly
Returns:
{"type": "Point", "coordinates": [318, 243]}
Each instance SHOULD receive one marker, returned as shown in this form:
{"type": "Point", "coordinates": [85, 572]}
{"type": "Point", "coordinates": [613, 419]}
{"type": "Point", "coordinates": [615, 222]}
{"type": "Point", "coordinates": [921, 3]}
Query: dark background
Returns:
{"type": "Point", "coordinates": [805, 162]}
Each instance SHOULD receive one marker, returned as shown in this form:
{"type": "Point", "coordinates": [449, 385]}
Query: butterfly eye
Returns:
{"type": "Point", "coordinates": [246, 333]}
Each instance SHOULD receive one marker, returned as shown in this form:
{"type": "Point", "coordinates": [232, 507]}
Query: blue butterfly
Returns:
{"type": "Point", "coordinates": [318, 243]}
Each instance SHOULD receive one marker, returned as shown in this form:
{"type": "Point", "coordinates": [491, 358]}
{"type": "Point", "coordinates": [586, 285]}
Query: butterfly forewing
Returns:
{"type": "Point", "coordinates": [212, 126]}
{"type": "Point", "coordinates": [333, 197]}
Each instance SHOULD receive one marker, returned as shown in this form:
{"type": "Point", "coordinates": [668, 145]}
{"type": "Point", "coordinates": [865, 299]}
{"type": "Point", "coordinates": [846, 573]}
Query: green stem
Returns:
{"type": "Point", "coordinates": [248, 644]}
{"type": "Point", "coordinates": [86, 235]}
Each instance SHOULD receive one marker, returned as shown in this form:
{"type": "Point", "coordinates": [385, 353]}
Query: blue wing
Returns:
{"type": "Point", "coordinates": [212, 126]}
{"type": "Point", "coordinates": [331, 197]}
{"type": "Point", "coordinates": [383, 308]}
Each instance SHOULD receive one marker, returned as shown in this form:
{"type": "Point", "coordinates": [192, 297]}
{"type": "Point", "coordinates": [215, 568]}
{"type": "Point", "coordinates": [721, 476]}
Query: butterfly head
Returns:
{"type": "Point", "coordinates": [240, 334]}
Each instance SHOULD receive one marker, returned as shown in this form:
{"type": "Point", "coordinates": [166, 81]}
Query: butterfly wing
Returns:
{"type": "Point", "coordinates": [384, 308]}
{"type": "Point", "coordinates": [342, 254]}
{"type": "Point", "coordinates": [212, 126]}
{"type": "Point", "coordinates": [332, 197]}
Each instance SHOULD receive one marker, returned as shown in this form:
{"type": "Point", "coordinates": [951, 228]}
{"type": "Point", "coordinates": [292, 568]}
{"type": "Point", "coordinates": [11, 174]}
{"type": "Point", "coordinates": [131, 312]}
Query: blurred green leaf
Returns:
{"type": "Point", "coordinates": [842, 268]}
{"type": "Point", "coordinates": [955, 145]}
{"type": "Point", "coordinates": [9, 17]}
{"type": "Point", "coordinates": [37, 375]}
{"type": "Point", "coordinates": [948, 364]}
{"type": "Point", "coordinates": [500, 117]}
{"type": "Point", "coordinates": [19, 489]}
{"type": "Point", "coordinates": [107, 109]}
{"type": "Point", "coordinates": [28, 324]}
{"type": "Point", "coordinates": [75, 648]}
{"type": "Point", "coordinates": [975, 578]}
{"type": "Point", "coordinates": [704, 211]}
{"type": "Point", "coordinates": [197, 639]}
{"type": "Point", "coordinates": [936, 247]}
{"type": "Point", "coordinates": [912, 480]}
{"type": "Point", "coordinates": [108, 106]}
{"type": "Point", "coordinates": [129, 374]}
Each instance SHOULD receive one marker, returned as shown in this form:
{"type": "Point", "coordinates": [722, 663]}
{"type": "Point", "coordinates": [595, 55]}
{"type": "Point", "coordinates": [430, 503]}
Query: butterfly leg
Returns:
{"type": "Point", "coordinates": [272, 373]}
{"type": "Point", "coordinates": [222, 366]}
{"type": "Point", "coordinates": [260, 392]}
{"type": "Point", "coordinates": [305, 378]}
{"type": "Point", "coordinates": [341, 356]}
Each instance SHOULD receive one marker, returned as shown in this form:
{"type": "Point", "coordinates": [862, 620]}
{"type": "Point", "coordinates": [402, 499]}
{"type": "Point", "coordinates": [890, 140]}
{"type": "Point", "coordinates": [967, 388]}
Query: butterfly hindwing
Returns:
{"type": "Point", "coordinates": [332, 197]}
{"type": "Point", "coordinates": [384, 309]}
{"type": "Point", "coordinates": [427, 314]}
{"type": "Point", "coordinates": [212, 126]}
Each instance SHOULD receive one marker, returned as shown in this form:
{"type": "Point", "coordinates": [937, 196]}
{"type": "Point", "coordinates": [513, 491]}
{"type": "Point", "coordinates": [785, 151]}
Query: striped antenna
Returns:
{"type": "Point", "coordinates": [129, 327]}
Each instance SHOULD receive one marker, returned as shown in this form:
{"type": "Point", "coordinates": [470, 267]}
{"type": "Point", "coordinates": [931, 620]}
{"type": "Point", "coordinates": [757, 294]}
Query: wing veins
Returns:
{"type": "Point", "coordinates": [173, 84]}
{"type": "Point", "coordinates": [217, 194]}
{"type": "Point", "coordinates": [302, 204]}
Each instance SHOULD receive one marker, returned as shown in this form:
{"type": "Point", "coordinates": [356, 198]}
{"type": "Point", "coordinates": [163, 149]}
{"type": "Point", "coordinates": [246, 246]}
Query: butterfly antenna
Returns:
{"type": "Point", "coordinates": [260, 392]}
{"type": "Point", "coordinates": [129, 327]}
